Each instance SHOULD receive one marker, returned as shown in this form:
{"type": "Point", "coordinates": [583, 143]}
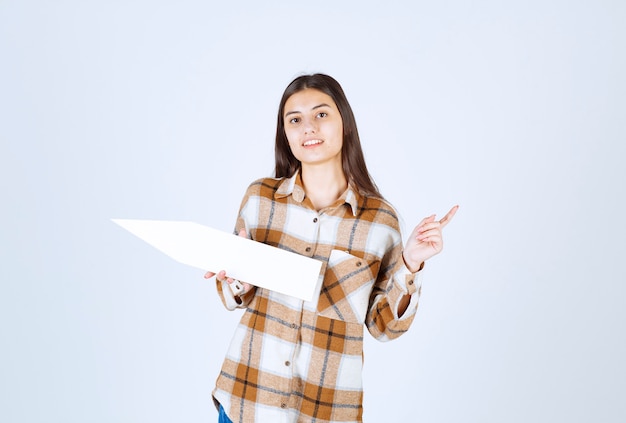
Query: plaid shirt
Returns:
{"type": "Point", "coordinates": [298, 361]}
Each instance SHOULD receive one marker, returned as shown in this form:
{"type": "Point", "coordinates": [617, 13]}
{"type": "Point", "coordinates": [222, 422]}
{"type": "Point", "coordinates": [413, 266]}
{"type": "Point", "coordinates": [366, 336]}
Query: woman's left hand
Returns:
{"type": "Point", "coordinates": [426, 240]}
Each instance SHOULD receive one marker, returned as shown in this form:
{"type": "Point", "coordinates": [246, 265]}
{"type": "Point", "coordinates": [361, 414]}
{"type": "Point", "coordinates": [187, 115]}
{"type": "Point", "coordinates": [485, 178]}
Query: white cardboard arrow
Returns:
{"type": "Point", "coordinates": [210, 249]}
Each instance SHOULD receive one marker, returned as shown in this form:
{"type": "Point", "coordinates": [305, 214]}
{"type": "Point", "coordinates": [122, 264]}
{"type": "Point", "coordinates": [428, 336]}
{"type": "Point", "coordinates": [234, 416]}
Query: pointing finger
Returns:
{"type": "Point", "coordinates": [448, 217]}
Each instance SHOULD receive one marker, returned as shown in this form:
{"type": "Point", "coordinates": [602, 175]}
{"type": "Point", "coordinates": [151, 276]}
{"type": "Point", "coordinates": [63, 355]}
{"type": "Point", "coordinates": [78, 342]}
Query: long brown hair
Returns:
{"type": "Point", "coordinates": [353, 162]}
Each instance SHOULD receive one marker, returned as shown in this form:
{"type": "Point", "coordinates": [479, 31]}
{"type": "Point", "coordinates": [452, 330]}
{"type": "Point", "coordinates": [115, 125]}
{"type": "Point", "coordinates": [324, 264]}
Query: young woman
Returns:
{"type": "Point", "coordinates": [297, 361]}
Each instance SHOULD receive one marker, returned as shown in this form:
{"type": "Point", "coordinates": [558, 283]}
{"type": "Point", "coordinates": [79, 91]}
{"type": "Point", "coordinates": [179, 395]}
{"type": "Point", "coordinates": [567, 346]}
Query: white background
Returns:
{"type": "Point", "coordinates": [158, 109]}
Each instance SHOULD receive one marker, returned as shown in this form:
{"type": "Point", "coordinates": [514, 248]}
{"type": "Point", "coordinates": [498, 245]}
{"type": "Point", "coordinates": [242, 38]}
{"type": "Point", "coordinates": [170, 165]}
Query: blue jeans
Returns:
{"type": "Point", "coordinates": [223, 418]}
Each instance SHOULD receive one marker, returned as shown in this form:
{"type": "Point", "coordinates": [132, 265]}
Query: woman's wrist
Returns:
{"type": "Point", "coordinates": [413, 267]}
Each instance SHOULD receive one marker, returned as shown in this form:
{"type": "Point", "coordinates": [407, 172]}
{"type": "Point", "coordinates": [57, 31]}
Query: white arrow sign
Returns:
{"type": "Point", "coordinates": [209, 249]}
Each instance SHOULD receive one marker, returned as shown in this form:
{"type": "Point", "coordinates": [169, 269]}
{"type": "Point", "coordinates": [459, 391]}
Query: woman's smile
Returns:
{"type": "Point", "coordinates": [312, 143]}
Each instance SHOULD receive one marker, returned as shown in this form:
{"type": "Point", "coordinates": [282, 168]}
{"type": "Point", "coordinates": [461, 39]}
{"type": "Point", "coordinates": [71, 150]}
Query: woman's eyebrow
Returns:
{"type": "Point", "coordinates": [316, 107]}
{"type": "Point", "coordinates": [320, 105]}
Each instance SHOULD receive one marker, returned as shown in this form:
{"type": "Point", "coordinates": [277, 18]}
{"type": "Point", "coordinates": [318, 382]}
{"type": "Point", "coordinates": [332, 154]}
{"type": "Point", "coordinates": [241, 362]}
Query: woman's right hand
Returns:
{"type": "Point", "coordinates": [221, 277]}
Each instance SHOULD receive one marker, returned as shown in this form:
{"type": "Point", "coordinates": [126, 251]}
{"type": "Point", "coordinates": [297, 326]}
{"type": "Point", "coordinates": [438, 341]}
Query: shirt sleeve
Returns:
{"type": "Point", "coordinates": [394, 281]}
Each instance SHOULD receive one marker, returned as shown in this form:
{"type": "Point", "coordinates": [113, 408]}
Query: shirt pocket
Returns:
{"type": "Point", "coordinates": [346, 288]}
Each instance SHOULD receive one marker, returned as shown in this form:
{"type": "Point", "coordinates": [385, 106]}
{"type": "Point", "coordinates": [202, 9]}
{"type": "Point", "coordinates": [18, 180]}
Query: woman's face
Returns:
{"type": "Point", "coordinates": [314, 128]}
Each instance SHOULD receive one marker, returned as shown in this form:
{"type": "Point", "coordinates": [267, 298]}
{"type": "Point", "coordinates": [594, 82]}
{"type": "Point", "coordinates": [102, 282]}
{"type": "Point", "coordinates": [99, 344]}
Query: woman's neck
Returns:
{"type": "Point", "coordinates": [323, 185]}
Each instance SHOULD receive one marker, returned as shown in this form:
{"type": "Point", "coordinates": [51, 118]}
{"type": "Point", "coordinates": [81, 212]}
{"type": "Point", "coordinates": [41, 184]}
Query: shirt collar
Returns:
{"type": "Point", "coordinates": [293, 186]}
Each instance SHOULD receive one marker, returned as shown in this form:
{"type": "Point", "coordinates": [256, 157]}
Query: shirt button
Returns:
{"type": "Point", "coordinates": [287, 363]}
{"type": "Point", "coordinates": [315, 220]}
{"type": "Point", "coordinates": [411, 282]}
{"type": "Point", "coordinates": [293, 326]}
{"type": "Point", "coordinates": [283, 405]}
{"type": "Point", "coordinates": [308, 249]}
{"type": "Point", "coordinates": [358, 264]}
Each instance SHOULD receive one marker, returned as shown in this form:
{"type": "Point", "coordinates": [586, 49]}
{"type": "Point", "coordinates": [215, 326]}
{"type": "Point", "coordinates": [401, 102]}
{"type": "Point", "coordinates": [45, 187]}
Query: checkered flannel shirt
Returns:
{"type": "Point", "coordinates": [301, 361]}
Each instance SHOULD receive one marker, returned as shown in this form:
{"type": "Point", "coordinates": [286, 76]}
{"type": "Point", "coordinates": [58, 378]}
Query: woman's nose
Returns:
{"type": "Point", "coordinates": [310, 126]}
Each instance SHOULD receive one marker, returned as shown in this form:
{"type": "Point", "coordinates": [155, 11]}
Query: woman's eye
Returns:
{"type": "Point", "coordinates": [322, 114]}
{"type": "Point", "coordinates": [294, 120]}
